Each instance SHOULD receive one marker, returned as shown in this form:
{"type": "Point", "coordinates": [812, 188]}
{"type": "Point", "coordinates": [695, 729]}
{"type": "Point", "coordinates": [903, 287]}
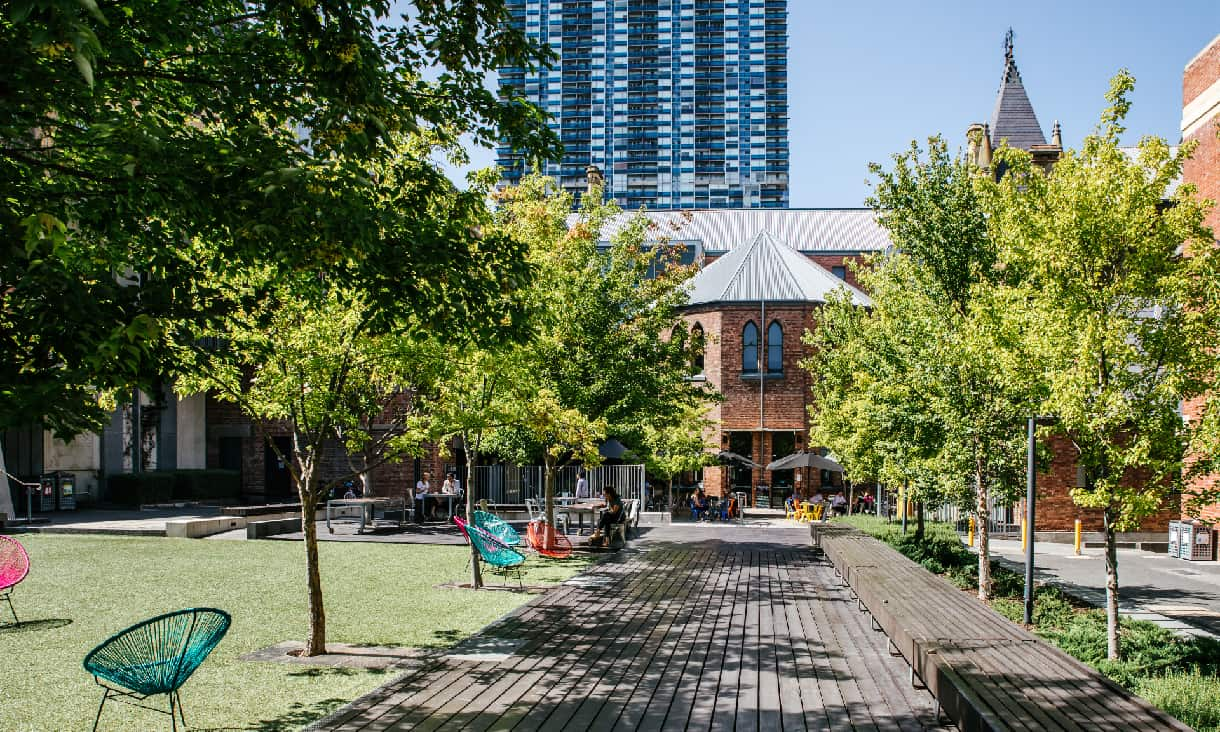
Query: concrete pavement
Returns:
{"type": "Point", "coordinates": [1180, 595]}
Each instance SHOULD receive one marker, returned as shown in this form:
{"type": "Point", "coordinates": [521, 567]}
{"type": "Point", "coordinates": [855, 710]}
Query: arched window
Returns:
{"type": "Point", "coordinates": [775, 348]}
{"type": "Point", "coordinates": [697, 345]}
{"type": "Point", "coordinates": [749, 348]}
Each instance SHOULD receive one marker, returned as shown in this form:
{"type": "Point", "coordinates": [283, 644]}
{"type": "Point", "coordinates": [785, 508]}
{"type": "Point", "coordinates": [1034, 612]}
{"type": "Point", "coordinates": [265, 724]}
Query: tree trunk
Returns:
{"type": "Point", "coordinates": [316, 643]}
{"type": "Point", "coordinates": [919, 521]}
{"type": "Point", "coordinates": [366, 481]}
{"type": "Point", "coordinates": [476, 572]}
{"type": "Point", "coordinates": [1113, 651]}
{"type": "Point", "coordinates": [548, 492]}
{"type": "Point", "coordinates": [981, 516]}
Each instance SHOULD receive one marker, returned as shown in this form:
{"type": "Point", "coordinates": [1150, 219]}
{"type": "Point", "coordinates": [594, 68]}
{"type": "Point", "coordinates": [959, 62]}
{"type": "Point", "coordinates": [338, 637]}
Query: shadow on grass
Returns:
{"type": "Point", "coordinates": [445, 638]}
{"type": "Point", "coordinates": [35, 625]}
{"type": "Point", "coordinates": [298, 716]}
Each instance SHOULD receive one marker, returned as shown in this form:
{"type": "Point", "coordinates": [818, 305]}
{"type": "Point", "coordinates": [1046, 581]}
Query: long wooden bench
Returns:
{"type": "Point", "coordinates": [986, 672]}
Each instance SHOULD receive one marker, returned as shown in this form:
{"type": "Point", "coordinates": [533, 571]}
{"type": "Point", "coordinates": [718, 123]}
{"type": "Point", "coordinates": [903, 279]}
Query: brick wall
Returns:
{"type": "Point", "coordinates": [390, 479]}
{"type": "Point", "coordinates": [829, 261]}
{"type": "Point", "coordinates": [784, 398]}
{"type": "Point", "coordinates": [1203, 170]}
{"type": "Point", "coordinates": [1057, 512]}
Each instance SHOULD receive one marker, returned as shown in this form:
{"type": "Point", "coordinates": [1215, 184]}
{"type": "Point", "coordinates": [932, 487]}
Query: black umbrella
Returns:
{"type": "Point", "coordinates": [806, 460]}
{"type": "Point", "coordinates": [725, 456]}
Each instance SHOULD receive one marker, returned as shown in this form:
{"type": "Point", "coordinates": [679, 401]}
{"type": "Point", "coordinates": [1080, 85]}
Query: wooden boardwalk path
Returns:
{"type": "Point", "coordinates": [734, 628]}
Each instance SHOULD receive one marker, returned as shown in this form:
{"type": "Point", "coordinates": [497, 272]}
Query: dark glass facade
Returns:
{"type": "Point", "coordinates": [681, 103]}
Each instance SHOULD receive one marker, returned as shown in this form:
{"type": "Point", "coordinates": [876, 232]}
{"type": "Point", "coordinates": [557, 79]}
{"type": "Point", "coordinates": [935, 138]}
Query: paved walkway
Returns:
{"type": "Point", "coordinates": [1176, 594]}
{"type": "Point", "coordinates": [130, 522]}
{"type": "Point", "coordinates": [735, 627]}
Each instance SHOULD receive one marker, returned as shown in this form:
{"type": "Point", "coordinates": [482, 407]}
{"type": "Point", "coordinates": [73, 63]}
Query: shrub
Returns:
{"type": "Point", "coordinates": [1191, 696]}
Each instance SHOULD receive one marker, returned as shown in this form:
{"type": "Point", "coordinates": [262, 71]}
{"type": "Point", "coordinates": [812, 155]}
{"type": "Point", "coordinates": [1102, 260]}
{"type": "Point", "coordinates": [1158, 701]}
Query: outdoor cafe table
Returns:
{"type": "Point", "coordinates": [422, 499]}
{"type": "Point", "coordinates": [367, 506]}
{"type": "Point", "coordinates": [580, 508]}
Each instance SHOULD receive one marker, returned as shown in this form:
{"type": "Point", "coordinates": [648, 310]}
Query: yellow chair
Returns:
{"type": "Point", "coordinates": [813, 511]}
{"type": "Point", "coordinates": [792, 511]}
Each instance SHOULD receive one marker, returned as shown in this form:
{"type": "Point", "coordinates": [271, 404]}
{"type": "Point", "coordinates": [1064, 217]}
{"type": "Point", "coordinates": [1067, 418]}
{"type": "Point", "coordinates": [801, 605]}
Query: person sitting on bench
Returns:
{"type": "Point", "coordinates": [611, 516]}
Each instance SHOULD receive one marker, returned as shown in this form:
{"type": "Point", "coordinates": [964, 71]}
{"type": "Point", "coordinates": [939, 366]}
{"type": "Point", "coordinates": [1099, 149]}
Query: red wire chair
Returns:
{"type": "Point", "coordinates": [14, 566]}
{"type": "Point", "coordinates": [547, 541]}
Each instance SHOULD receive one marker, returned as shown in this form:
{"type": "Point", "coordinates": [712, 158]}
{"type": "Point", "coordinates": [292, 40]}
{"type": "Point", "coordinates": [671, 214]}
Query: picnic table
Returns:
{"type": "Point", "coordinates": [367, 507]}
{"type": "Point", "coordinates": [582, 507]}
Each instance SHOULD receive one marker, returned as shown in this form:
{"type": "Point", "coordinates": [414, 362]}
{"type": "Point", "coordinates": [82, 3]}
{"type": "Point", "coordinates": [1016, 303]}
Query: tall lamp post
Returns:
{"type": "Point", "coordinates": [1030, 497]}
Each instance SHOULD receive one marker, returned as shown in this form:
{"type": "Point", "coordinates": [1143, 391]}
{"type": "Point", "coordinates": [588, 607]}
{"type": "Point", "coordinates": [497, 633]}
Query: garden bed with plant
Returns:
{"type": "Point", "coordinates": [1180, 675]}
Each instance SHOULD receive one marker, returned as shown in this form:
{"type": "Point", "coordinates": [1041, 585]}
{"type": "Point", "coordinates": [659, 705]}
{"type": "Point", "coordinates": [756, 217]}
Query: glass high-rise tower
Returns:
{"type": "Point", "coordinates": [680, 103]}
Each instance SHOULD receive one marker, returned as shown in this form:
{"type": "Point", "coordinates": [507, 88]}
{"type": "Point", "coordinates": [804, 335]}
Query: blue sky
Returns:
{"type": "Point", "coordinates": [865, 78]}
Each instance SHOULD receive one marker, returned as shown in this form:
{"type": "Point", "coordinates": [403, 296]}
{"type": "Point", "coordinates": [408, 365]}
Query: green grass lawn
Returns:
{"type": "Point", "coordinates": [81, 589]}
{"type": "Point", "coordinates": [1179, 675]}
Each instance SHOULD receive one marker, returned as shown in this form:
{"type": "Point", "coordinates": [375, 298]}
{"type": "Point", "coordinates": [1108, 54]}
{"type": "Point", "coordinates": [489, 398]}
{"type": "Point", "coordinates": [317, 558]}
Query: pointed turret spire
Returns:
{"type": "Point", "coordinates": [1013, 118]}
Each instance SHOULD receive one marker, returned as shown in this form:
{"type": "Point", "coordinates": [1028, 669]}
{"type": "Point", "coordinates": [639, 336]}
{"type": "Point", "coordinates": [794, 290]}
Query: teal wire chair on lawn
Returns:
{"type": "Point", "coordinates": [493, 551]}
{"type": "Point", "coordinates": [497, 527]}
{"type": "Point", "coordinates": [156, 656]}
{"type": "Point", "coordinates": [14, 566]}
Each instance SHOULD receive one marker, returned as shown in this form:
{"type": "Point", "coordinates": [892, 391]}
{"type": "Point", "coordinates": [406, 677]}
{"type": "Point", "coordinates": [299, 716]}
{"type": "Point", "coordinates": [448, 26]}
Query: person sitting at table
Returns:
{"type": "Point", "coordinates": [838, 504]}
{"type": "Point", "coordinates": [698, 504]}
{"type": "Point", "coordinates": [613, 514]}
{"type": "Point", "coordinates": [423, 487]}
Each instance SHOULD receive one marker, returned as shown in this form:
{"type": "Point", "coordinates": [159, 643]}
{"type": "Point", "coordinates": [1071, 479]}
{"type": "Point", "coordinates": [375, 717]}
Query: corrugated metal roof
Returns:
{"type": "Point", "coordinates": [1013, 118]}
{"type": "Point", "coordinates": [765, 269]}
{"type": "Point", "coordinates": [725, 229]}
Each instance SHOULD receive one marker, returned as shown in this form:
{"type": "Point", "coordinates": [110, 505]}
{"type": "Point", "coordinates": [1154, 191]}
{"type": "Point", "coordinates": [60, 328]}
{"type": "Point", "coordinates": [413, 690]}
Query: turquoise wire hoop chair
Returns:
{"type": "Point", "coordinates": [497, 527]}
{"type": "Point", "coordinates": [156, 656]}
{"type": "Point", "coordinates": [14, 566]}
{"type": "Point", "coordinates": [493, 551]}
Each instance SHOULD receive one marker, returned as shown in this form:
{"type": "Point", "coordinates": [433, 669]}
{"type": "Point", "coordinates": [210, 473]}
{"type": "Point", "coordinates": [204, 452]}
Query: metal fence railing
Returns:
{"type": "Point", "coordinates": [515, 483]}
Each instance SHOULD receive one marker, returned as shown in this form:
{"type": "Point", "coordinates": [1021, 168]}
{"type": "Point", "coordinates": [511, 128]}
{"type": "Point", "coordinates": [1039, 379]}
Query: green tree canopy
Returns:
{"type": "Point", "coordinates": [1118, 278]}
{"type": "Point", "coordinates": [151, 152]}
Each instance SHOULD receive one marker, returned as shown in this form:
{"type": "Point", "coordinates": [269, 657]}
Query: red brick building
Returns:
{"type": "Point", "coordinates": [1201, 123]}
{"type": "Point", "coordinates": [765, 272]}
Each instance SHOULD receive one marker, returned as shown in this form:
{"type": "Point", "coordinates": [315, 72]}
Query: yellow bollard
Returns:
{"type": "Point", "coordinates": [970, 534]}
{"type": "Point", "coordinates": [1077, 529]}
{"type": "Point", "coordinates": [1022, 534]}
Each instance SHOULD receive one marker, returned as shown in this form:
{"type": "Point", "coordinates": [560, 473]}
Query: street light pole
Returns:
{"type": "Point", "coordinates": [1030, 497]}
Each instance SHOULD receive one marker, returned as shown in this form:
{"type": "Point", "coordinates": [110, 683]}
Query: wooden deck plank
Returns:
{"type": "Point", "coordinates": [563, 618]}
{"type": "Point", "coordinates": [750, 677]}
{"type": "Point", "coordinates": [651, 668]}
{"type": "Point", "coordinates": [723, 630]}
{"type": "Point", "coordinates": [605, 701]}
{"type": "Point", "coordinates": [564, 700]}
{"type": "Point", "coordinates": [815, 705]}
{"type": "Point", "coordinates": [718, 689]}
{"type": "Point", "coordinates": [674, 700]}
{"type": "Point", "coordinates": [554, 699]}
{"type": "Point", "coordinates": [775, 617]}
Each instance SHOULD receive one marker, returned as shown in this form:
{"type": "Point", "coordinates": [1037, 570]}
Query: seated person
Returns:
{"type": "Point", "coordinates": [728, 508]}
{"type": "Point", "coordinates": [611, 516]}
{"type": "Point", "coordinates": [838, 504]}
{"type": "Point", "coordinates": [698, 505]}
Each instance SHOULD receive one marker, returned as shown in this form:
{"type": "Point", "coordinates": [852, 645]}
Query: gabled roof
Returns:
{"type": "Point", "coordinates": [769, 271]}
{"type": "Point", "coordinates": [1013, 117]}
{"type": "Point", "coordinates": [804, 229]}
